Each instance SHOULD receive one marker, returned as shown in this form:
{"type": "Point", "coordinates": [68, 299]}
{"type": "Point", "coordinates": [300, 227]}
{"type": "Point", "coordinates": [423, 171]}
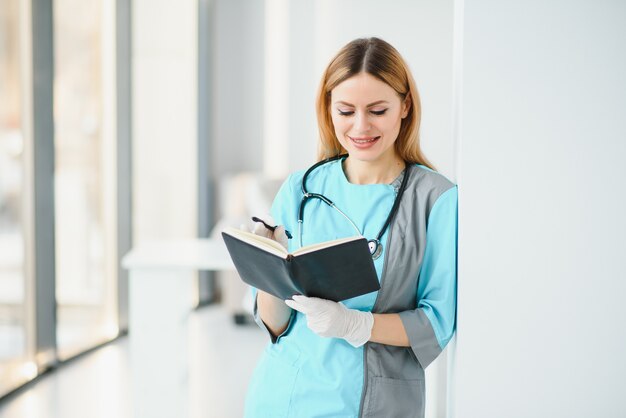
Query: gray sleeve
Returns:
{"type": "Point", "coordinates": [421, 336]}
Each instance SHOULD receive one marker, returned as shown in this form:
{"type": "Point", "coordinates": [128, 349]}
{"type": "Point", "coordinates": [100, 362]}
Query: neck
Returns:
{"type": "Point", "coordinates": [382, 171]}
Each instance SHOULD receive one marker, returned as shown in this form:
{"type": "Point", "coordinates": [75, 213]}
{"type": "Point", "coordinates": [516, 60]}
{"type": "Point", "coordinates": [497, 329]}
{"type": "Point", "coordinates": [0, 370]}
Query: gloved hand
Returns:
{"type": "Point", "coordinates": [332, 319]}
{"type": "Point", "coordinates": [277, 235]}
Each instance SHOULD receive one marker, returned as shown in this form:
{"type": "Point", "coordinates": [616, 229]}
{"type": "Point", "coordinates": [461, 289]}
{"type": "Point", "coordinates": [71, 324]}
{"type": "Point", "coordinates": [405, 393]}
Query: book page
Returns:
{"type": "Point", "coordinates": [258, 241]}
{"type": "Point", "coordinates": [314, 247]}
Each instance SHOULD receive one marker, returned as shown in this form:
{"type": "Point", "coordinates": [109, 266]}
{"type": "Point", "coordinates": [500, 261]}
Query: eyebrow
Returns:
{"type": "Point", "coordinates": [369, 105]}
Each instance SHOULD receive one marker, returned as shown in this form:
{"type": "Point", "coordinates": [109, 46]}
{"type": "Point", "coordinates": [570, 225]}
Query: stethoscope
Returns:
{"type": "Point", "coordinates": [375, 246]}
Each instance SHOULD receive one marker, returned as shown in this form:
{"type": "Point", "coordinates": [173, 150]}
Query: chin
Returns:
{"type": "Point", "coordinates": [367, 155]}
{"type": "Point", "coordinates": [364, 156]}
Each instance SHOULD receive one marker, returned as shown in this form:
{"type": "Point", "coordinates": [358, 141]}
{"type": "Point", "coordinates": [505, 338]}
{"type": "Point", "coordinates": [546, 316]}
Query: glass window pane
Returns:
{"type": "Point", "coordinates": [84, 283]}
{"type": "Point", "coordinates": [13, 335]}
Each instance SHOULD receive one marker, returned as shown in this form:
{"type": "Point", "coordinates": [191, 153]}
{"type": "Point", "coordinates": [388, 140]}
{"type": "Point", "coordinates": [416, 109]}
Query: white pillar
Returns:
{"type": "Point", "coordinates": [276, 108]}
{"type": "Point", "coordinates": [164, 119]}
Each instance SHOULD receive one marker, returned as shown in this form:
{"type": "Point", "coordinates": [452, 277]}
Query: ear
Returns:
{"type": "Point", "coordinates": [406, 106]}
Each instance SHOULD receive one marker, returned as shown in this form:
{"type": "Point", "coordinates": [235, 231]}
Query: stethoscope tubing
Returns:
{"type": "Point", "coordinates": [306, 195]}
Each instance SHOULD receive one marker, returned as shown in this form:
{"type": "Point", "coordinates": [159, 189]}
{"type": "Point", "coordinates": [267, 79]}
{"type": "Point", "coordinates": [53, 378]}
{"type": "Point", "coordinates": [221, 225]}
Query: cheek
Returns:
{"type": "Point", "coordinates": [340, 126]}
{"type": "Point", "coordinates": [391, 125]}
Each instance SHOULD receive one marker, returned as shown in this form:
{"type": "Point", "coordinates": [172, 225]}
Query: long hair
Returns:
{"type": "Point", "coordinates": [378, 58]}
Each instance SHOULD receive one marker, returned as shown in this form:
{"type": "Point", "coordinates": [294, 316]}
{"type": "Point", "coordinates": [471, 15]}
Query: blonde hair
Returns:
{"type": "Point", "coordinates": [378, 58]}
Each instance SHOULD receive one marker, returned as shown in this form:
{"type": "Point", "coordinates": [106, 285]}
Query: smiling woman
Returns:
{"type": "Point", "coordinates": [367, 115]}
{"type": "Point", "coordinates": [363, 69]}
{"type": "Point", "coordinates": [363, 356]}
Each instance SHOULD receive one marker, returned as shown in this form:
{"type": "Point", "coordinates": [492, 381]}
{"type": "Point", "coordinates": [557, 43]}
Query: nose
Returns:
{"type": "Point", "coordinates": [361, 122]}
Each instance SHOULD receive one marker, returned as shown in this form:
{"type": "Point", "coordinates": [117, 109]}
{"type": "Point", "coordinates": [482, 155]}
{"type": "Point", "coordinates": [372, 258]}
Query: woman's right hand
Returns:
{"type": "Point", "coordinates": [279, 235]}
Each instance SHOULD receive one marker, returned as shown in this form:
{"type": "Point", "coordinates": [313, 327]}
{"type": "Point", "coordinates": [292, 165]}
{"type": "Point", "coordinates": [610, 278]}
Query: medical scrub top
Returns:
{"type": "Point", "coordinates": [301, 374]}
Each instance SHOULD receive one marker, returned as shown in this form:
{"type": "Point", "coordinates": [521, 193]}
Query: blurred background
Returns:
{"type": "Point", "coordinates": [132, 131]}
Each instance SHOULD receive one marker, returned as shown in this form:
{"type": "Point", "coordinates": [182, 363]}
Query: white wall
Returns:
{"type": "Point", "coordinates": [541, 314]}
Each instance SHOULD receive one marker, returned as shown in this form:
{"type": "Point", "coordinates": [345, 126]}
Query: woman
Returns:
{"type": "Point", "coordinates": [363, 357]}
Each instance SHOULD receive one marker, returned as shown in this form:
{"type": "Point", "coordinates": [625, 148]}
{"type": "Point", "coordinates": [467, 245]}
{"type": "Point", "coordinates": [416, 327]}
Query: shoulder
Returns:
{"type": "Point", "coordinates": [425, 180]}
{"type": "Point", "coordinates": [319, 174]}
{"type": "Point", "coordinates": [295, 179]}
{"type": "Point", "coordinates": [292, 184]}
{"type": "Point", "coordinates": [426, 187]}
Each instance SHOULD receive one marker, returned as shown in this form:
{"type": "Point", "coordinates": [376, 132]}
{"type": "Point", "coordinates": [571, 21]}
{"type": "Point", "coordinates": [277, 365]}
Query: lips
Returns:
{"type": "Point", "coordinates": [364, 141]}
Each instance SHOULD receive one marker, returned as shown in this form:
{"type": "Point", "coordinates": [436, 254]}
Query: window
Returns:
{"type": "Point", "coordinates": [84, 228]}
{"type": "Point", "coordinates": [15, 367]}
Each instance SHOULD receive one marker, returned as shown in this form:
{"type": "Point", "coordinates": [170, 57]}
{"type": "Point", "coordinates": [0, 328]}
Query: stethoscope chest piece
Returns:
{"type": "Point", "coordinates": [376, 248]}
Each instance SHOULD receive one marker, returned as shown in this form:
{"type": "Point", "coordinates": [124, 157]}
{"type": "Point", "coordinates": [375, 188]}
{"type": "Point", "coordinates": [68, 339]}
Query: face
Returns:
{"type": "Point", "coordinates": [367, 114]}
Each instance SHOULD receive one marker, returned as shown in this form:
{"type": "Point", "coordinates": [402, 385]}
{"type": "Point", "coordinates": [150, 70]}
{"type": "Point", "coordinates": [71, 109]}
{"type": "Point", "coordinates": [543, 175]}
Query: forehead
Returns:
{"type": "Point", "coordinates": [363, 87]}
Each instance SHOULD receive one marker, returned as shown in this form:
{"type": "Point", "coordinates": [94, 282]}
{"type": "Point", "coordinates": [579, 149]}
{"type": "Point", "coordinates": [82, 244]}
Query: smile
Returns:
{"type": "Point", "coordinates": [365, 140]}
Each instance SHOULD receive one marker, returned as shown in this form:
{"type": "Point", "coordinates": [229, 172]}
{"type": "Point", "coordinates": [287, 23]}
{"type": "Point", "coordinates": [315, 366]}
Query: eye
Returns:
{"type": "Point", "coordinates": [345, 113]}
{"type": "Point", "coordinates": [379, 112]}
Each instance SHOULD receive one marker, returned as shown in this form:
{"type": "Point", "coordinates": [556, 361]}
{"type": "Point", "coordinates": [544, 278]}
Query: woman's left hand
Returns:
{"type": "Point", "coordinates": [332, 319]}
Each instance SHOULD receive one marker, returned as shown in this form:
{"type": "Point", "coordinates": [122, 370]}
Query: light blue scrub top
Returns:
{"type": "Point", "coordinates": [303, 374]}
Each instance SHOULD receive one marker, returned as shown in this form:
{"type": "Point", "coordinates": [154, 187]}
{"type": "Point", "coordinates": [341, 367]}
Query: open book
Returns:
{"type": "Point", "coordinates": [335, 270]}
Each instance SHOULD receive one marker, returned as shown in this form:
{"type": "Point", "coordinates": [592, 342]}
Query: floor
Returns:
{"type": "Point", "coordinates": [97, 384]}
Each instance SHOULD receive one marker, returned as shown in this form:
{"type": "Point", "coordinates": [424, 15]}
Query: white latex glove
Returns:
{"type": "Point", "coordinates": [277, 235]}
{"type": "Point", "coordinates": [332, 319]}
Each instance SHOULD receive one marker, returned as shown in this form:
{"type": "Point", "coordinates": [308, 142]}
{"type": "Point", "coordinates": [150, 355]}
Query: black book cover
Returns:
{"type": "Point", "coordinates": [336, 272]}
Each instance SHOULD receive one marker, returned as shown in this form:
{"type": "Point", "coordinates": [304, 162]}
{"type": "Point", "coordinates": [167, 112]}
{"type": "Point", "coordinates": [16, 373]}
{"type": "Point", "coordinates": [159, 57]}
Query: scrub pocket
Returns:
{"type": "Point", "coordinates": [272, 384]}
{"type": "Point", "coordinates": [394, 398]}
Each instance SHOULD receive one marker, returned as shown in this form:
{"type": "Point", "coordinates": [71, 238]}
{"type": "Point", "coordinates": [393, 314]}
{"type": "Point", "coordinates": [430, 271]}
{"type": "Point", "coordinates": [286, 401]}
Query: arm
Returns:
{"type": "Point", "coordinates": [273, 312]}
{"type": "Point", "coordinates": [388, 329]}
{"type": "Point", "coordinates": [430, 326]}
{"type": "Point", "coordinates": [331, 319]}
{"type": "Point", "coordinates": [437, 290]}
